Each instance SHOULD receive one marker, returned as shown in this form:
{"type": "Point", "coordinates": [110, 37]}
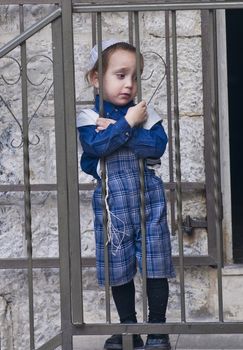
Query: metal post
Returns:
{"type": "Point", "coordinates": [127, 341]}
{"type": "Point", "coordinates": [212, 169]}
{"type": "Point", "coordinates": [103, 173]}
{"type": "Point", "coordinates": [72, 165]}
{"type": "Point", "coordinates": [141, 175]}
{"type": "Point", "coordinates": [27, 193]}
{"type": "Point", "coordinates": [178, 167]}
{"type": "Point", "coordinates": [215, 162]}
{"type": "Point", "coordinates": [62, 190]}
{"type": "Point", "coordinates": [169, 120]}
{"type": "Point", "coordinates": [130, 27]}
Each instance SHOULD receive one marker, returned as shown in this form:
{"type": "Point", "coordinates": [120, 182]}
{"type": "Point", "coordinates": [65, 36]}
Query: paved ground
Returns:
{"type": "Point", "coordinates": [178, 342]}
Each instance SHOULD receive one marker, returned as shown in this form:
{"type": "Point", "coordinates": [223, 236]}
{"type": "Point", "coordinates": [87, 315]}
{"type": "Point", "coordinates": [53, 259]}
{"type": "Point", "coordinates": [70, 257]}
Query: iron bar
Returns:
{"type": "Point", "coordinates": [169, 120]}
{"type": "Point", "coordinates": [62, 183]}
{"type": "Point", "coordinates": [26, 34]}
{"type": "Point", "coordinates": [45, 262]}
{"type": "Point", "coordinates": [178, 167]}
{"type": "Point", "coordinates": [89, 186]}
{"type": "Point", "coordinates": [94, 41]}
{"type": "Point", "coordinates": [105, 195]}
{"type": "Point", "coordinates": [130, 28]}
{"type": "Point", "coordinates": [127, 341]}
{"type": "Point", "coordinates": [207, 61]}
{"type": "Point", "coordinates": [25, 2]}
{"type": "Point", "coordinates": [171, 6]}
{"type": "Point", "coordinates": [72, 164]}
{"type": "Point", "coordinates": [104, 3]}
{"type": "Point", "coordinates": [141, 174]}
{"type": "Point", "coordinates": [100, 64]}
{"type": "Point", "coordinates": [22, 263]}
{"type": "Point", "coordinates": [166, 328]}
{"type": "Point", "coordinates": [27, 193]}
{"type": "Point", "coordinates": [215, 162]}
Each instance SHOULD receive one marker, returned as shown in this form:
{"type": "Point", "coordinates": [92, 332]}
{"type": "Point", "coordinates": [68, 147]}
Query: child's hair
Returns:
{"type": "Point", "coordinates": [106, 55]}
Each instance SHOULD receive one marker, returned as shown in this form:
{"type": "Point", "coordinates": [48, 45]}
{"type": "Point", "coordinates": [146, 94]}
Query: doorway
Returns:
{"type": "Point", "coordinates": [234, 30]}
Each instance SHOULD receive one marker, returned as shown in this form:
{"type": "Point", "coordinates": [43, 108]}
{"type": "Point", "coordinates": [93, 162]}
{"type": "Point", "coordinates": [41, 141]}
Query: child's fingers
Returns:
{"type": "Point", "coordinates": [103, 123]}
{"type": "Point", "coordinates": [99, 128]}
{"type": "Point", "coordinates": [142, 104]}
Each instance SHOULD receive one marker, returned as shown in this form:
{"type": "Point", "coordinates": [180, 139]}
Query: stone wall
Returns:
{"type": "Point", "coordinates": [199, 282]}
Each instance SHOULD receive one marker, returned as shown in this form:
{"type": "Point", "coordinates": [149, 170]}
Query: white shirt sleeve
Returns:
{"type": "Point", "coordinates": [86, 117]}
{"type": "Point", "coordinates": [153, 118]}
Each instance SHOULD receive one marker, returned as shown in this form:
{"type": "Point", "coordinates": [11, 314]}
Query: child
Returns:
{"type": "Point", "coordinates": [125, 133]}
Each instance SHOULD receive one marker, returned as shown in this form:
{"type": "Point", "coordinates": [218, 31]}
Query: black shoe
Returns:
{"type": "Point", "coordinates": [115, 342]}
{"type": "Point", "coordinates": [157, 342]}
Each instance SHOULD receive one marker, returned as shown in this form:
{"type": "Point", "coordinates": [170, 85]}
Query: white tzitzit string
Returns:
{"type": "Point", "coordinates": [115, 236]}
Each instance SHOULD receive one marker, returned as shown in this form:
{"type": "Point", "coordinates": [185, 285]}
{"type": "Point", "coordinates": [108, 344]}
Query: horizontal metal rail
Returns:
{"type": "Point", "coordinates": [89, 186]}
{"type": "Point", "coordinates": [200, 5]}
{"type": "Point", "coordinates": [172, 328]}
{"type": "Point", "coordinates": [19, 39]}
{"type": "Point", "coordinates": [39, 263]}
{"type": "Point", "coordinates": [28, 2]}
{"type": "Point", "coordinates": [100, 4]}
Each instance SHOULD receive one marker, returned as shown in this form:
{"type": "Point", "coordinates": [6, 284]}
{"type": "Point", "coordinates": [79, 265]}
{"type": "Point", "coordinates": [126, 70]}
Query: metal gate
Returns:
{"type": "Point", "coordinates": [70, 263]}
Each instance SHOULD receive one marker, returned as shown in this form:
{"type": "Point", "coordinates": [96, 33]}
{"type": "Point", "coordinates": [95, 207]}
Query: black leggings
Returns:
{"type": "Point", "coordinates": [157, 291]}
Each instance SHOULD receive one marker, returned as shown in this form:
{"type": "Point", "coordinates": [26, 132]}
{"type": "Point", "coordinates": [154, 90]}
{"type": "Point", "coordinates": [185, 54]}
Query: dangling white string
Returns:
{"type": "Point", "coordinates": [115, 236]}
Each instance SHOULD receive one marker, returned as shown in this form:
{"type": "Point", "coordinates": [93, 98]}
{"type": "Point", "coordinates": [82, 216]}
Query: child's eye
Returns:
{"type": "Point", "coordinates": [120, 75]}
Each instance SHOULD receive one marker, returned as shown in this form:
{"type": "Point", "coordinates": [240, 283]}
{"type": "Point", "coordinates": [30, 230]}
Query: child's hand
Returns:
{"type": "Point", "coordinates": [137, 115]}
{"type": "Point", "coordinates": [103, 123]}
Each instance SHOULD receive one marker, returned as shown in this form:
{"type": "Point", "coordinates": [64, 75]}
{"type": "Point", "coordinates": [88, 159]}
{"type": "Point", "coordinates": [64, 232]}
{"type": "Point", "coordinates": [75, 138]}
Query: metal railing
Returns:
{"type": "Point", "coordinates": [70, 262]}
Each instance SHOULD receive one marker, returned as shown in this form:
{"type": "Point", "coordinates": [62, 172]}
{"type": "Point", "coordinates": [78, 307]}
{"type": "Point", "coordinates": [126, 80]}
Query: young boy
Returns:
{"type": "Point", "coordinates": [124, 134]}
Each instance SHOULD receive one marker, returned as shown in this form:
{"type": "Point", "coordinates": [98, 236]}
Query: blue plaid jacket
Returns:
{"type": "Point", "coordinates": [143, 142]}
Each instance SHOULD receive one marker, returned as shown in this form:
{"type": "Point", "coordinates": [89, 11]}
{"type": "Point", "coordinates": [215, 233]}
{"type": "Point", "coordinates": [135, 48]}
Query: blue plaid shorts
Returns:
{"type": "Point", "coordinates": [125, 241]}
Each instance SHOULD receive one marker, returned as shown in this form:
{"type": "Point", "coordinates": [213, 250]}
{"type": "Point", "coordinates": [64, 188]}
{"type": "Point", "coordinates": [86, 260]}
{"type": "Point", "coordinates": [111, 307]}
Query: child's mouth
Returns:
{"type": "Point", "coordinates": [125, 95]}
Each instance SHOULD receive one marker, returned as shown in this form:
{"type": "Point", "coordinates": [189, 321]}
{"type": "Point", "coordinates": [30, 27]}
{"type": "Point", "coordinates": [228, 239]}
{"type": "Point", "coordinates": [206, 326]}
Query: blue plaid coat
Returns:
{"type": "Point", "coordinates": [122, 147]}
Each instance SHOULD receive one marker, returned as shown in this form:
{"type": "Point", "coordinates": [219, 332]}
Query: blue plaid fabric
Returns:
{"type": "Point", "coordinates": [125, 244]}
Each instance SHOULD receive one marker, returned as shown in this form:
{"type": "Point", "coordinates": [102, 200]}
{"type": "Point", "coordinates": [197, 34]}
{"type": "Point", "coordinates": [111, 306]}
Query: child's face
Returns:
{"type": "Point", "coordinates": [120, 78]}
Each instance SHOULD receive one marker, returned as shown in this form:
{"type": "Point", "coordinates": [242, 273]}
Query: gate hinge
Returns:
{"type": "Point", "coordinates": [189, 224]}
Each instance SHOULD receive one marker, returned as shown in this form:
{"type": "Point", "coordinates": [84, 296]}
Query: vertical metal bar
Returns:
{"type": "Point", "coordinates": [72, 166]}
{"type": "Point", "coordinates": [130, 27]}
{"type": "Point", "coordinates": [94, 39]}
{"type": "Point", "coordinates": [216, 165]}
{"type": "Point", "coordinates": [100, 65]}
{"type": "Point", "coordinates": [208, 73]}
{"type": "Point", "coordinates": [93, 21]}
{"type": "Point", "coordinates": [210, 99]}
{"type": "Point", "coordinates": [178, 167]}
{"type": "Point", "coordinates": [27, 193]}
{"type": "Point", "coordinates": [103, 172]}
{"type": "Point", "coordinates": [62, 185]}
{"type": "Point", "coordinates": [137, 44]}
{"type": "Point", "coordinates": [169, 118]}
{"type": "Point", "coordinates": [141, 174]}
{"type": "Point", "coordinates": [127, 341]}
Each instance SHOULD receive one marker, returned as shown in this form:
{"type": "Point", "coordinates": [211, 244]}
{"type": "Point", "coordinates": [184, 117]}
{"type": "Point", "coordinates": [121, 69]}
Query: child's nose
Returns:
{"type": "Point", "coordinates": [129, 82]}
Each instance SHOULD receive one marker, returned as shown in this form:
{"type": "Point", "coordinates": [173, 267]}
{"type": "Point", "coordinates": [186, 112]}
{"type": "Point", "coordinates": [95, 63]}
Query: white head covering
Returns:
{"type": "Point", "coordinates": [94, 52]}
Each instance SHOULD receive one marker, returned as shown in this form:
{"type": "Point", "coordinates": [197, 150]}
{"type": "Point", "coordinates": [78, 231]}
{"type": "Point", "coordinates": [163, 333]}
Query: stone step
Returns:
{"type": "Point", "coordinates": [178, 342]}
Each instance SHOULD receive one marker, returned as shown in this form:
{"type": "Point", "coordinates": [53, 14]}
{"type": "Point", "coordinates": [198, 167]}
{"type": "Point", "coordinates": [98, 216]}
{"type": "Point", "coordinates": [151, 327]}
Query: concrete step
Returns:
{"type": "Point", "coordinates": [178, 342]}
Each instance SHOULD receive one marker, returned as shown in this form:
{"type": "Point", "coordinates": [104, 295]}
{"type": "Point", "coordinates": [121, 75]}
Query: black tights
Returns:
{"type": "Point", "coordinates": [157, 291]}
